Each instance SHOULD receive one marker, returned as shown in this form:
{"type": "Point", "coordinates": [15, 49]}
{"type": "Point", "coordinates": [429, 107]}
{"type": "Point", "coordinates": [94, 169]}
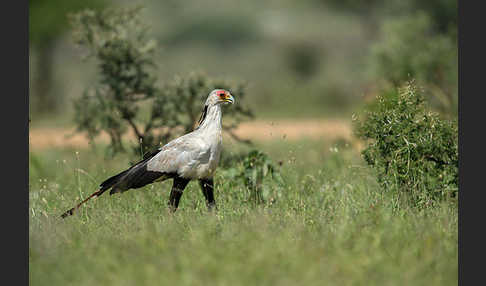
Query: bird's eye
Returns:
{"type": "Point", "coordinates": [221, 95]}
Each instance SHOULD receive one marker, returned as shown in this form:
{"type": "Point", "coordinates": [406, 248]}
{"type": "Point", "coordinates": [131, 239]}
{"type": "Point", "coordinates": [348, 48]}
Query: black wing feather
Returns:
{"type": "Point", "coordinates": [136, 176]}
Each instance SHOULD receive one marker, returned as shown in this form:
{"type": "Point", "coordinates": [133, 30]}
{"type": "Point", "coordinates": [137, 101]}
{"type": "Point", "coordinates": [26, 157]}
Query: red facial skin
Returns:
{"type": "Point", "coordinates": [221, 94]}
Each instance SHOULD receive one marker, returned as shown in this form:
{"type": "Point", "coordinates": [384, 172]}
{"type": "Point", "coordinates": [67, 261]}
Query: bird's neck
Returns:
{"type": "Point", "coordinates": [212, 119]}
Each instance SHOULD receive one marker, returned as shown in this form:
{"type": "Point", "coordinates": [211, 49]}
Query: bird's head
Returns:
{"type": "Point", "coordinates": [219, 96]}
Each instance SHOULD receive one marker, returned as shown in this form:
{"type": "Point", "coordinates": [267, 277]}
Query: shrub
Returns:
{"type": "Point", "coordinates": [127, 96]}
{"type": "Point", "coordinates": [412, 149]}
{"type": "Point", "coordinates": [257, 171]}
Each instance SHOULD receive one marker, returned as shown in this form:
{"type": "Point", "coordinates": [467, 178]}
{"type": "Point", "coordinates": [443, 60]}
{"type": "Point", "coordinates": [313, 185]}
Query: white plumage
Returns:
{"type": "Point", "coordinates": [196, 154]}
{"type": "Point", "coordinates": [192, 156]}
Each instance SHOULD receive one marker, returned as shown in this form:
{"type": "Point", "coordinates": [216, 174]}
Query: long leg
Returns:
{"type": "Point", "coordinates": [207, 186]}
{"type": "Point", "coordinates": [176, 192]}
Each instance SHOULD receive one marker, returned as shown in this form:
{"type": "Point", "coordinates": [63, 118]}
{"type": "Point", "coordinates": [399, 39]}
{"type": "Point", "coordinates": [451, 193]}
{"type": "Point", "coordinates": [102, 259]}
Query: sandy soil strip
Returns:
{"type": "Point", "coordinates": [40, 138]}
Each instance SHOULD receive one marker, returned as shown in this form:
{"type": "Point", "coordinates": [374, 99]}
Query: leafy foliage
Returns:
{"type": "Point", "coordinates": [254, 169]}
{"type": "Point", "coordinates": [127, 89]}
{"type": "Point", "coordinates": [412, 149]}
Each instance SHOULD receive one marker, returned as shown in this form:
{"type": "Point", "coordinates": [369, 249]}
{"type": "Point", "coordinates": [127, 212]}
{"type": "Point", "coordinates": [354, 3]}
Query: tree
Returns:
{"type": "Point", "coordinates": [127, 96]}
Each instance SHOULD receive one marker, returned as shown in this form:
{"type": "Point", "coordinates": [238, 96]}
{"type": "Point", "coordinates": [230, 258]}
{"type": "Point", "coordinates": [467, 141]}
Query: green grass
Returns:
{"type": "Point", "coordinates": [329, 225]}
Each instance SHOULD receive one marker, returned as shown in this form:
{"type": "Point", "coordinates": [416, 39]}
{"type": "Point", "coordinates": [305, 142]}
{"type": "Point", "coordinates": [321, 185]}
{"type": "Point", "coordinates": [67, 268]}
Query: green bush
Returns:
{"type": "Point", "coordinates": [127, 96]}
{"type": "Point", "coordinates": [257, 172]}
{"type": "Point", "coordinates": [413, 150]}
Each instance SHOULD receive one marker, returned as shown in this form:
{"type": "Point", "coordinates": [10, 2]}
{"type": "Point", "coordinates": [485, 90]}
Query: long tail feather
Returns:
{"type": "Point", "coordinates": [134, 177]}
{"type": "Point", "coordinates": [71, 211]}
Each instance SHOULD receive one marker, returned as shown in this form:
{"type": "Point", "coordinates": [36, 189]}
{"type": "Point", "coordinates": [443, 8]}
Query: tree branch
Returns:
{"type": "Point", "coordinates": [134, 127]}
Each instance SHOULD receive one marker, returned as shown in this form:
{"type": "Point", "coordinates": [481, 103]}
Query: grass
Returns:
{"type": "Point", "coordinates": [329, 224]}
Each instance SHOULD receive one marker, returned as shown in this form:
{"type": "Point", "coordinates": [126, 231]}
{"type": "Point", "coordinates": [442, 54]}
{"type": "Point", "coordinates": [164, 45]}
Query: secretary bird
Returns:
{"type": "Point", "coordinates": [191, 156]}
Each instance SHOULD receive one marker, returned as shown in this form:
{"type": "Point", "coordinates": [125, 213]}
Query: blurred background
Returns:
{"type": "Point", "coordinates": [310, 67]}
{"type": "Point", "coordinates": [300, 59]}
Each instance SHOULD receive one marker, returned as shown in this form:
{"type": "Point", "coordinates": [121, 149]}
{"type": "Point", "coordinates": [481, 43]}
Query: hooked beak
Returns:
{"type": "Point", "coordinates": [229, 98]}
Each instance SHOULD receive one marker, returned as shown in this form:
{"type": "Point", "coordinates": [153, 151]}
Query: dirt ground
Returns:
{"type": "Point", "coordinates": [41, 138]}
